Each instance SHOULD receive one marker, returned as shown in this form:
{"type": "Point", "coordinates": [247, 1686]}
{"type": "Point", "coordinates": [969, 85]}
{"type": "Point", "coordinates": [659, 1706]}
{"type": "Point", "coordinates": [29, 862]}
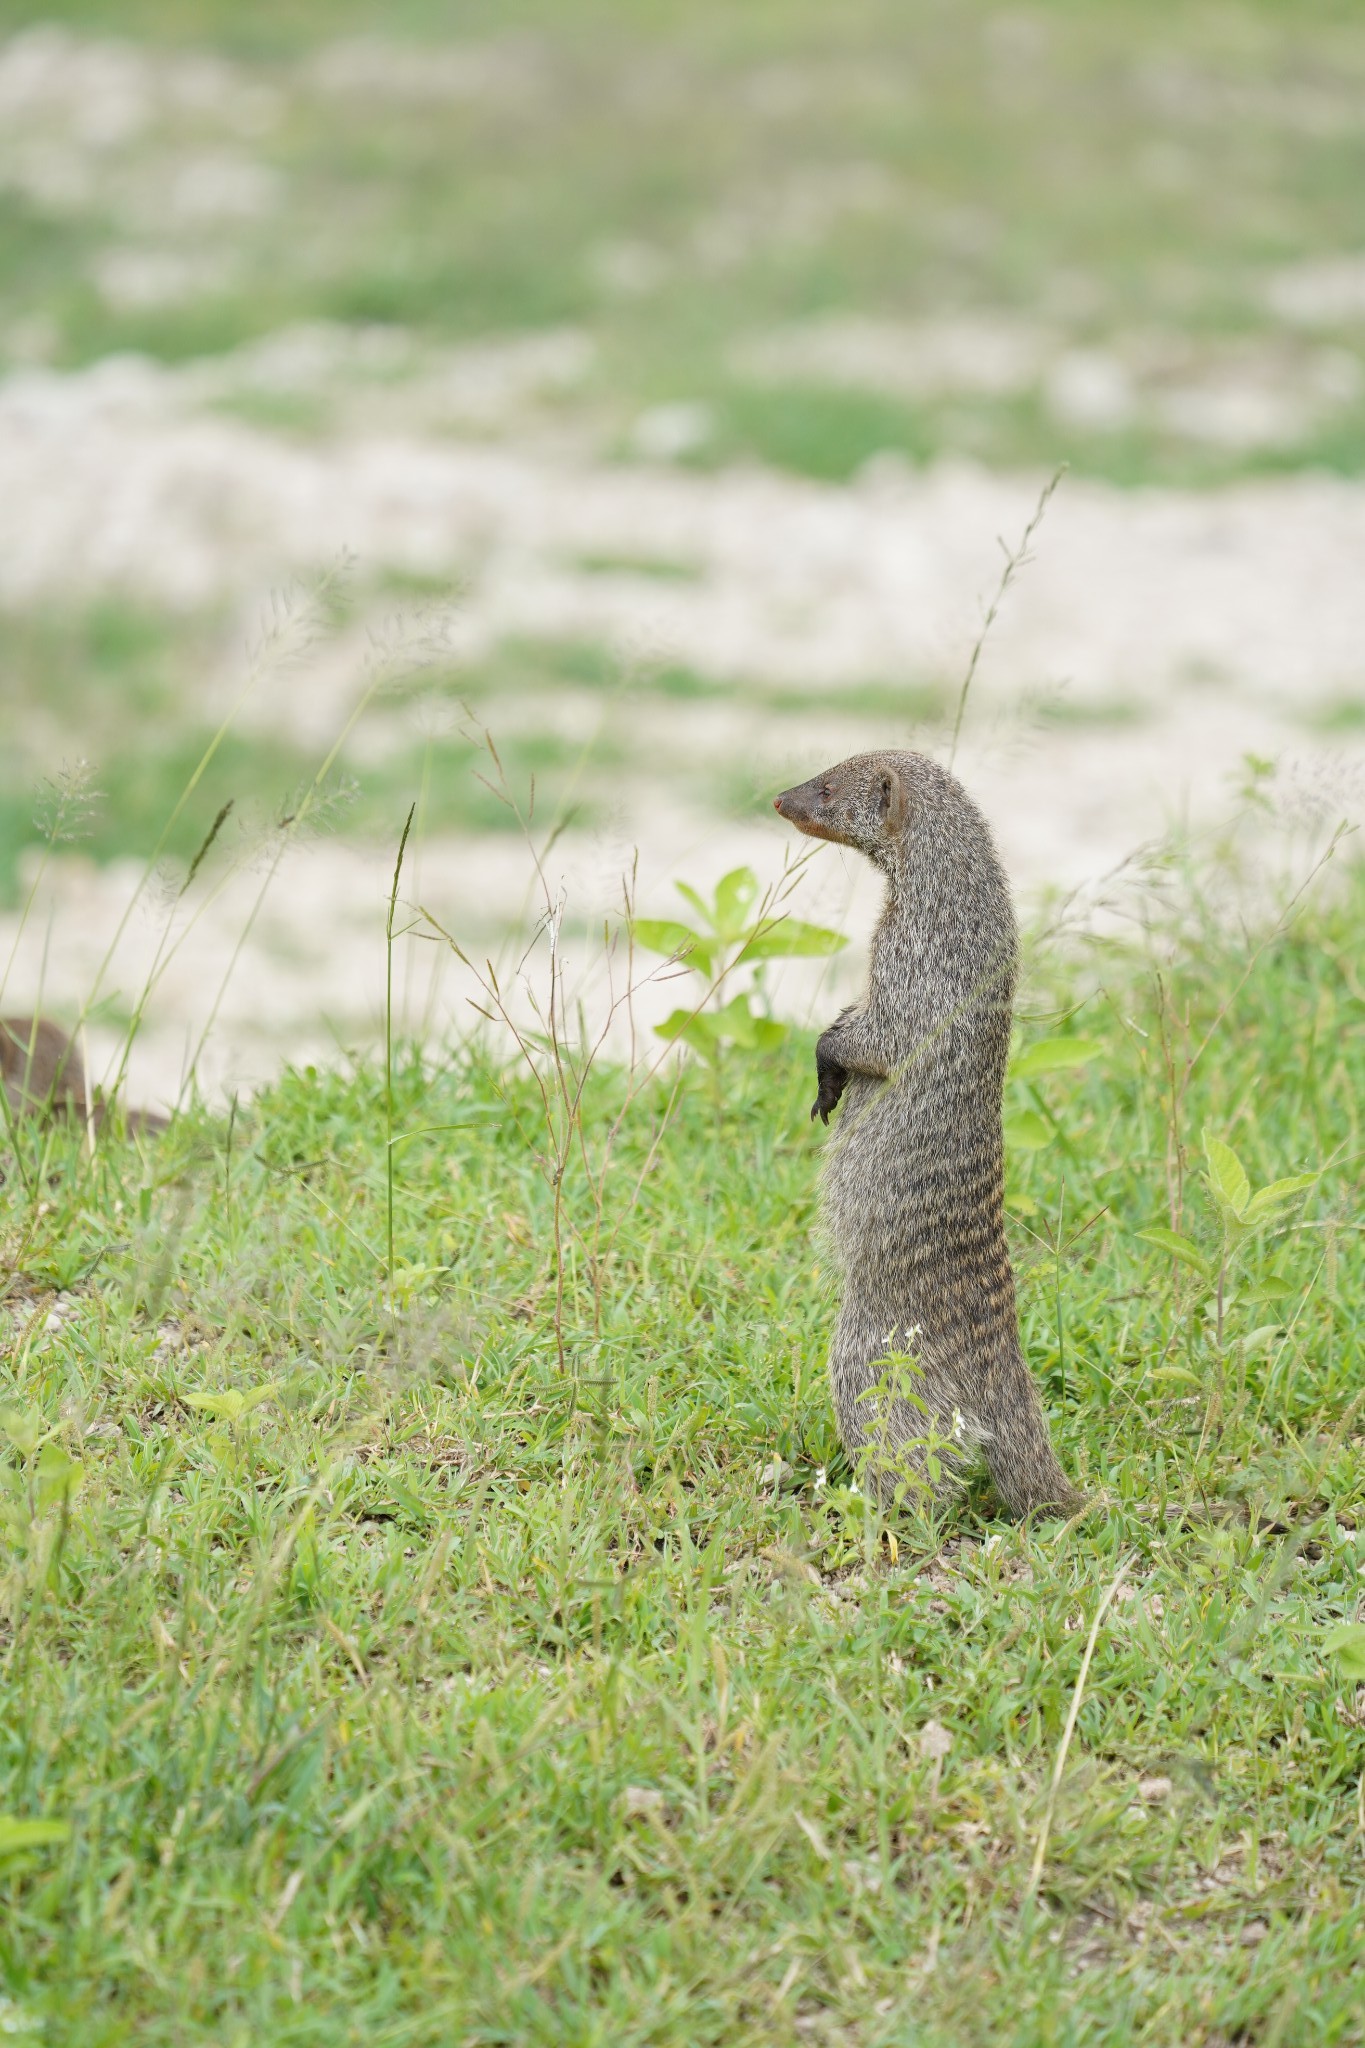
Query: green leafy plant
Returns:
{"type": "Point", "coordinates": [1031, 1122]}
{"type": "Point", "coordinates": [1347, 1645]}
{"type": "Point", "coordinates": [25, 1430]}
{"type": "Point", "coordinates": [232, 1403]}
{"type": "Point", "coordinates": [737, 929]}
{"type": "Point", "coordinates": [896, 1459]}
{"type": "Point", "coordinates": [49, 1477]}
{"type": "Point", "coordinates": [1243, 1213]}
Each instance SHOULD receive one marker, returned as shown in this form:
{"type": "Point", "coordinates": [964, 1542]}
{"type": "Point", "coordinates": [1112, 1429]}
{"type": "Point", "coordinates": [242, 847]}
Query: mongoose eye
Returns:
{"type": "Point", "coordinates": [824, 792]}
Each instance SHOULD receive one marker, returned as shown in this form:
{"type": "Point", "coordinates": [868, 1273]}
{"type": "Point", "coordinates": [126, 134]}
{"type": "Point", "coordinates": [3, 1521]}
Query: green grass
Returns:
{"type": "Point", "coordinates": [1345, 715]}
{"type": "Point", "coordinates": [659, 567]}
{"type": "Point", "coordinates": [819, 433]}
{"type": "Point", "coordinates": [446, 1696]}
{"type": "Point", "coordinates": [1069, 712]}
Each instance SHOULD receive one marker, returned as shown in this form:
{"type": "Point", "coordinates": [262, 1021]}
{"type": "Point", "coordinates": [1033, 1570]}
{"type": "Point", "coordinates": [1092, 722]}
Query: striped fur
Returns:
{"type": "Point", "coordinates": [912, 1180]}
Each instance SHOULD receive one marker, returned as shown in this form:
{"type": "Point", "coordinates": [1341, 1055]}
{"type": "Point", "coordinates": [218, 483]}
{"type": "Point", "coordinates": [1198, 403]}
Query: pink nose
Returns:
{"type": "Point", "coordinates": [777, 803]}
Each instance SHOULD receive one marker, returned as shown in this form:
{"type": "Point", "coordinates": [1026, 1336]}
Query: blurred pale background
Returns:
{"type": "Point", "coordinates": [652, 387]}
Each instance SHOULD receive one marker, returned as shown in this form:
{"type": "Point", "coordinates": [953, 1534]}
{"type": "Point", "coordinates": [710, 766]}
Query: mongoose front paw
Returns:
{"type": "Point", "coordinates": [831, 1081]}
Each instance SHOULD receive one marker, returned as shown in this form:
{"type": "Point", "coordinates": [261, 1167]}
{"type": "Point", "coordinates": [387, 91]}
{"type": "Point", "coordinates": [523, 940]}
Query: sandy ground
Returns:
{"type": "Point", "coordinates": [1216, 624]}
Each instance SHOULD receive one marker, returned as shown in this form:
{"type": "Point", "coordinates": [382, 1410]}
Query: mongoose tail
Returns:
{"type": "Point", "coordinates": [912, 1179]}
{"type": "Point", "coordinates": [1020, 1458]}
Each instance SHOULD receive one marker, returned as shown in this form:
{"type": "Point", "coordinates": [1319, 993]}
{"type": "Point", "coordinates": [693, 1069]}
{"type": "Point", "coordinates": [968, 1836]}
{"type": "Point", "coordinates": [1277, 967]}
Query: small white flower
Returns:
{"type": "Point", "coordinates": [819, 1479]}
{"type": "Point", "coordinates": [959, 1425]}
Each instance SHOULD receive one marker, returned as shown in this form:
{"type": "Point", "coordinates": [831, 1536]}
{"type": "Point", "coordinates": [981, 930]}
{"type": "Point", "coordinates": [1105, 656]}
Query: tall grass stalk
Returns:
{"type": "Point", "coordinates": [1072, 1715]}
{"type": "Point", "coordinates": [388, 1049]}
{"type": "Point", "coordinates": [1015, 560]}
{"type": "Point", "coordinates": [289, 618]}
{"type": "Point", "coordinates": [561, 1051]}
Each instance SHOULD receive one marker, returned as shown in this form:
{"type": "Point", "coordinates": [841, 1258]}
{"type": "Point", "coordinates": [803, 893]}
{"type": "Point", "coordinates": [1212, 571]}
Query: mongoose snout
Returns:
{"type": "Point", "coordinates": [852, 810]}
{"type": "Point", "coordinates": [913, 1175]}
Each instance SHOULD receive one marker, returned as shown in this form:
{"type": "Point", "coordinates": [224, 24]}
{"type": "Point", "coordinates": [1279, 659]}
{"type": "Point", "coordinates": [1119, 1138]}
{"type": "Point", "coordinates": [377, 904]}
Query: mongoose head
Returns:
{"type": "Point", "coordinates": [863, 802]}
{"type": "Point", "coordinates": [43, 1074]}
{"type": "Point", "coordinates": [39, 1068]}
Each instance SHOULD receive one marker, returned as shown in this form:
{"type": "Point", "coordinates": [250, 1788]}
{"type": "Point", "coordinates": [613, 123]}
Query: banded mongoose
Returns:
{"type": "Point", "coordinates": [43, 1075]}
{"type": "Point", "coordinates": [912, 1179]}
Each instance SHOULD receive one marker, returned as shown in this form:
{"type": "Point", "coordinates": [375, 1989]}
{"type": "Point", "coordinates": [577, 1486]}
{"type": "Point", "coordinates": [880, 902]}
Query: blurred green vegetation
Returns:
{"type": "Point", "coordinates": [1115, 184]}
{"type": "Point", "coordinates": [674, 179]}
{"type": "Point", "coordinates": [107, 737]}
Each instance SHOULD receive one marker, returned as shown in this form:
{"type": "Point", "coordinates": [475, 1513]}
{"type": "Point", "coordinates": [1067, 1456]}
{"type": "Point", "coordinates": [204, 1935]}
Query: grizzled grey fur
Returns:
{"type": "Point", "coordinates": [912, 1180]}
{"type": "Point", "coordinates": [42, 1075]}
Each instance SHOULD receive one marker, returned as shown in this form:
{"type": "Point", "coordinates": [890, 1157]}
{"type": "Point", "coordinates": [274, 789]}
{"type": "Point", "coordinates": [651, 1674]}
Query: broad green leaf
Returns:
{"type": "Point", "coordinates": [58, 1475]}
{"type": "Point", "coordinates": [1026, 1131]}
{"type": "Point", "coordinates": [1347, 1644]}
{"type": "Point", "coordinates": [18, 1835]}
{"type": "Point", "coordinates": [412, 1279]}
{"type": "Point", "coordinates": [1227, 1176]}
{"type": "Point", "coordinates": [224, 1407]}
{"type": "Point", "coordinates": [265, 1392]}
{"type": "Point", "coordinates": [740, 1021]}
{"type": "Point", "coordinates": [789, 939]}
{"type": "Point", "coordinates": [231, 1403]}
{"type": "Point", "coordinates": [1176, 1372]}
{"type": "Point", "coordinates": [1266, 1200]}
{"type": "Point", "coordinates": [698, 903]}
{"type": "Point", "coordinates": [1272, 1288]}
{"type": "Point", "coordinates": [666, 935]}
{"type": "Point", "coordinates": [674, 1024]}
{"type": "Point", "coordinates": [694, 1029]}
{"type": "Point", "coordinates": [735, 896]}
{"type": "Point", "coordinates": [1050, 1055]}
{"type": "Point", "coordinates": [1179, 1248]}
{"type": "Point", "coordinates": [737, 1021]}
{"type": "Point", "coordinates": [23, 1427]}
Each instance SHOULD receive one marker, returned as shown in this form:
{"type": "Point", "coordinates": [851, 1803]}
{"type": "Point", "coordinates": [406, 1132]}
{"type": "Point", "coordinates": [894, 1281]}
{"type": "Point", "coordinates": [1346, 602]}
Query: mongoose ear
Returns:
{"type": "Point", "coordinates": [892, 794]}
